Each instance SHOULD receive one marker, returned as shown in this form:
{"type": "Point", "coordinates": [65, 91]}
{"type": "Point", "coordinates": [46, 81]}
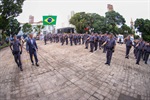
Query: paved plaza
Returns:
{"type": "Point", "coordinates": [73, 73]}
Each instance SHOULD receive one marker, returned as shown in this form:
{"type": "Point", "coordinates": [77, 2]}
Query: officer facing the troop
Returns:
{"type": "Point", "coordinates": [140, 47]}
{"type": "Point", "coordinates": [17, 51]}
{"type": "Point", "coordinates": [32, 49]}
{"type": "Point", "coordinates": [91, 39]}
{"type": "Point", "coordinates": [110, 47]}
{"type": "Point", "coordinates": [128, 46]}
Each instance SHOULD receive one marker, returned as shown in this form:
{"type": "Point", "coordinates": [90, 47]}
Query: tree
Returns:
{"type": "Point", "coordinates": [13, 27]}
{"type": "Point", "coordinates": [8, 10]}
{"type": "Point", "coordinates": [143, 26]}
{"type": "Point", "coordinates": [84, 20]}
{"type": "Point", "coordinates": [38, 28]}
{"type": "Point", "coordinates": [112, 20]}
{"type": "Point", "coordinates": [27, 28]}
{"type": "Point", "coordinates": [80, 21]}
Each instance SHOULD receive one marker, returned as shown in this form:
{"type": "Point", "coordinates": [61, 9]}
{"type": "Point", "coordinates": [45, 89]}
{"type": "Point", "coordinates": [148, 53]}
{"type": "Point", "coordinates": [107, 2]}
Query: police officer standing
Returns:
{"type": "Point", "coordinates": [91, 40]}
{"type": "Point", "coordinates": [16, 51]}
{"type": "Point", "coordinates": [45, 39]}
{"type": "Point", "coordinates": [140, 47]}
{"type": "Point", "coordinates": [110, 47]}
{"type": "Point", "coordinates": [66, 39]}
{"type": "Point", "coordinates": [71, 39]}
{"type": "Point", "coordinates": [32, 49]}
{"type": "Point", "coordinates": [147, 53]}
{"type": "Point", "coordinates": [86, 39]}
{"type": "Point", "coordinates": [96, 41]}
{"type": "Point", "coordinates": [128, 46]}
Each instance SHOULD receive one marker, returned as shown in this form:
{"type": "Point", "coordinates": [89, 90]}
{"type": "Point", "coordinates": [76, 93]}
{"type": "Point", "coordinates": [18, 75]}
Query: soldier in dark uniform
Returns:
{"type": "Point", "coordinates": [71, 39]}
{"type": "Point", "coordinates": [128, 46]}
{"type": "Point", "coordinates": [82, 37]}
{"type": "Point", "coordinates": [100, 41]}
{"type": "Point", "coordinates": [62, 38]}
{"type": "Point", "coordinates": [91, 40]}
{"type": "Point", "coordinates": [66, 39]}
{"type": "Point", "coordinates": [135, 49]}
{"type": "Point", "coordinates": [57, 38]}
{"type": "Point", "coordinates": [75, 39]}
{"type": "Point", "coordinates": [79, 39]}
{"type": "Point", "coordinates": [50, 38]}
{"type": "Point", "coordinates": [110, 47]}
{"type": "Point", "coordinates": [140, 47]}
{"type": "Point", "coordinates": [147, 52]}
{"type": "Point", "coordinates": [104, 39]}
{"type": "Point", "coordinates": [17, 51]}
{"type": "Point", "coordinates": [144, 51]}
{"type": "Point", "coordinates": [45, 38]}
{"type": "Point", "coordinates": [86, 39]}
{"type": "Point", "coordinates": [96, 41]}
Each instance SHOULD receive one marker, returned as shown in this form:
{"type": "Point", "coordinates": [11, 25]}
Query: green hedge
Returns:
{"type": "Point", "coordinates": [4, 45]}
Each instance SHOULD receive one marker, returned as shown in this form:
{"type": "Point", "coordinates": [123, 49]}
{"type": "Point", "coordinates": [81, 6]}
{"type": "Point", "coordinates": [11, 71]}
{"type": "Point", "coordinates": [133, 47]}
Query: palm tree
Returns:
{"type": "Point", "coordinates": [38, 28]}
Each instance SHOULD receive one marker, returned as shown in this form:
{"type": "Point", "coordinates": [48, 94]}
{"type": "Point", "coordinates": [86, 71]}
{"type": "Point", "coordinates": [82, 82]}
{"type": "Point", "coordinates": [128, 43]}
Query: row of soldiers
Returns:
{"type": "Point", "coordinates": [94, 40]}
{"type": "Point", "coordinates": [141, 49]}
{"type": "Point", "coordinates": [101, 41]}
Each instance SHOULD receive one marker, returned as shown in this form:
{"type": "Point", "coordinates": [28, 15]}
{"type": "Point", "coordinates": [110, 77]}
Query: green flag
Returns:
{"type": "Point", "coordinates": [49, 20]}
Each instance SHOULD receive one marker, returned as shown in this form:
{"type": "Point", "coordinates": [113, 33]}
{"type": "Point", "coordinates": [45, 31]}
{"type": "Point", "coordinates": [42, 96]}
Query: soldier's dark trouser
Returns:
{"type": "Point", "coordinates": [51, 40]}
{"type": "Point", "coordinates": [35, 56]}
{"type": "Point", "coordinates": [139, 55]}
{"type": "Point", "coordinates": [109, 56]}
{"type": "Point", "coordinates": [135, 53]}
{"type": "Point", "coordinates": [104, 49]}
{"type": "Point", "coordinates": [82, 41]}
{"type": "Point", "coordinates": [100, 44]}
{"type": "Point", "coordinates": [71, 42]}
{"type": "Point", "coordinates": [75, 42]}
{"type": "Point", "coordinates": [91, 46]}
{"type": "Point", "coordinates": [143, 56]}
{"type": "Point", "coordinates": [127, 51]}
{"type": "Point", "coordinates": [62, 42]}
{"type": "Point", "coordinates": [18, 59]}
{"type": "Point", "coordinates": [95, 45]}
{"type": "Point", "coordinates": [86, 44]}
{"type": "Point", "coordinates": [45, 42]}
{"type": "Point", "coordinates": [66, 41]}
{"type": "Point", "coordinates": [146, 57]}
{"type": "Point", "coordinates": [79, 41]}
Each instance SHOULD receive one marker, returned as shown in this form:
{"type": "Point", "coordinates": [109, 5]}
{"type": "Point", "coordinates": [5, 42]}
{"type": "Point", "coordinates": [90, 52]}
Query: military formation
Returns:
{"type": "Point", "coordinates": [105, 42]}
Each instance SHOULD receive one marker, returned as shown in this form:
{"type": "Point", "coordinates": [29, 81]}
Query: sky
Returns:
{"type": "Point", "coordinates": [62, 9]}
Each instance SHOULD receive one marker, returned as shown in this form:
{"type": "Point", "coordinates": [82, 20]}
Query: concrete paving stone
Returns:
{"type": "Point", "coordinates": [73, 73]}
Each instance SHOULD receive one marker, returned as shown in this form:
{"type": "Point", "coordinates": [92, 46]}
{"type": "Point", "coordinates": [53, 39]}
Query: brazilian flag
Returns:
{"type": "Point", "coordinates": [49, 20]}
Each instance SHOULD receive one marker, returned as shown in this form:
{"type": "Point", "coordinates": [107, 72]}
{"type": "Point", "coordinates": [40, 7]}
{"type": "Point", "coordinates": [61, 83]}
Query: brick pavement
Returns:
{"type": "Point", "coordinates": [73, 73]}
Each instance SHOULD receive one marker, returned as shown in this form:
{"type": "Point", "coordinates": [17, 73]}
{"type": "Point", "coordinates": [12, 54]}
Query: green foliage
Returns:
{"type": "Point", "coordinates": [143, 26]}
{"type": "Point", "coordinates": [84, 20]}
{"type": "Point", "coordinates": [27, 28]}
{"type": "Point", "coordinates": [99, 23]}
{"type": "Point", "coordinates": [114, 18]}
{"type": "Point", "coordinates": [38, 28]}
{"type": "Point", "coordinates": [9, 9]}
{"type": "Point", "coordinates": [13, 27]}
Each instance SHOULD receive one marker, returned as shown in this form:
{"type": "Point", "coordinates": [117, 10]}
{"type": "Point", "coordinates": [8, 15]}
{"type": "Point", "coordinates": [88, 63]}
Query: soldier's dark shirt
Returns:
{"type": "Point", "coordinates": [16, 45]}
{"type": "Point", "coordinates": [148, 48]}
{"type": "Point", "coordinates": [110, 43]}
{"type": "Point", "coordinates": [91, 38]}
{"type": "Point", "coordinates": [141, 45]}
{"type": "Point", "coordinates": [128, 42]}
